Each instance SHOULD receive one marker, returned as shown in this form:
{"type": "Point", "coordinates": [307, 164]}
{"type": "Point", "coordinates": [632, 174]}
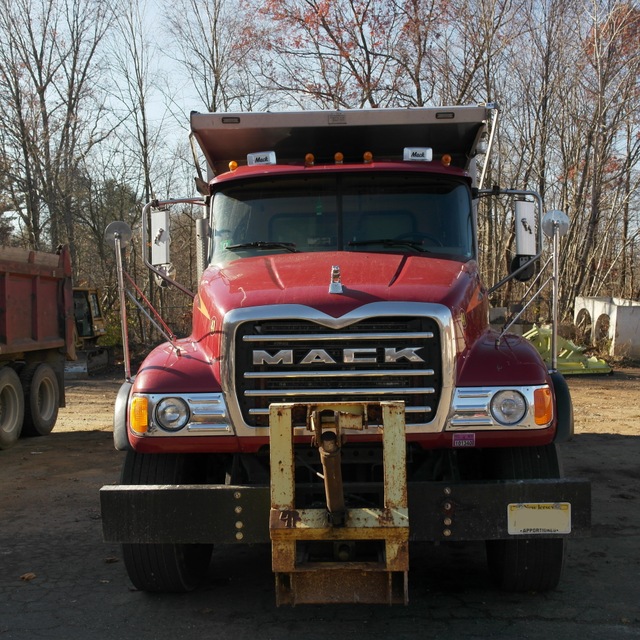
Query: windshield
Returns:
{"type": "Point", "coordinates": [390, 212]}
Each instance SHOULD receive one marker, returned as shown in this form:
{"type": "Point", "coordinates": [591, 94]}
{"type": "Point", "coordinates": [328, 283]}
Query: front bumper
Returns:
{"type": "Point", "coordinates": [438, 511]}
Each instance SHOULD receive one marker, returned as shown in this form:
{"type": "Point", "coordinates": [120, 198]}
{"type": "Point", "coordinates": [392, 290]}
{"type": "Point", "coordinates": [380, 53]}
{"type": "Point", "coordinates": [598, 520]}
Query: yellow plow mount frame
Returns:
{"type": "Point", "coordinates": [300, 581]}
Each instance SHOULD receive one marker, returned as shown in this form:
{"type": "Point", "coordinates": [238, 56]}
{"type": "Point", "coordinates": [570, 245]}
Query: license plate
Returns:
{"type": "Point", "coordinates": [538, 518]}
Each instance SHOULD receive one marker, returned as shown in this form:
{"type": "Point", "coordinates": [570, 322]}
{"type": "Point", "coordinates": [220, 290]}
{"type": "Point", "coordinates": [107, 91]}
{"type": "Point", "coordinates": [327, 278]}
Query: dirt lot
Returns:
{"type": "Point", "coordinates": [58, 580]}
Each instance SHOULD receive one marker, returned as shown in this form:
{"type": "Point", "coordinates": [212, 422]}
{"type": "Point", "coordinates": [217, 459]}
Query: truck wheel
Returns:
{"type": "Point", "coordinates": [164, 567]}
{"type": "Point", "coordinates": [528, 564]}
{"type": "Point", "coordinates": [11, 407]}
{"type": "Point", "coordinates": [41, 399]}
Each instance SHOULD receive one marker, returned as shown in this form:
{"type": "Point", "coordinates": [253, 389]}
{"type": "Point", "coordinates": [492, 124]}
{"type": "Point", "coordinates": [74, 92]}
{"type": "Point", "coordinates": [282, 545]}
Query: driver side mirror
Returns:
{"type": "Point", "coordinates": [526, 231]}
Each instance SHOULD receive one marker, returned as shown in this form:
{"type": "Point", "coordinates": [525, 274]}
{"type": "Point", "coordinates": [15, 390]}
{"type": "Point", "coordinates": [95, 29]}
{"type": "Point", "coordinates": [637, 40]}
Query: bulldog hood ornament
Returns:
{"type": "Point", "coordinates": [335, 285]}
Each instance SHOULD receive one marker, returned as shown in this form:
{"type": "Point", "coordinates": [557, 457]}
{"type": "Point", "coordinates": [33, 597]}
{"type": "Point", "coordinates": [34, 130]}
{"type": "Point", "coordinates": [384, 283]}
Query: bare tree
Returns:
{"type": "Point", "coordinates": [418, 51]}
{"type": "Point", "coordinates": [529, 85]}
{"type": "Point", "coordinates": [214, 46]}
{"type": "Point", "coordinates": [49, 72]}
{"type": "Point", "coordinates": [135, 64]}
{"type": "Point", "coordinates": [601, 183]}
{"type": "Point", "coordinates": [333, 54]}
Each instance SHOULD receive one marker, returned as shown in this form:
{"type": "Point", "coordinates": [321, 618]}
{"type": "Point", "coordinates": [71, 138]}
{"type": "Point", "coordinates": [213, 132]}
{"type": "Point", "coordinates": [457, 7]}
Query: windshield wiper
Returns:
{"type": "Point", "coordinates": [389, 242]}
{"type": "Point", "coordinates": [261, 244]}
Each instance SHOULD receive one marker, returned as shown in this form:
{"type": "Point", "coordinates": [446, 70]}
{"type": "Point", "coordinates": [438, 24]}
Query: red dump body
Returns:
{"type": "Point", "coordinates": [36, 303]}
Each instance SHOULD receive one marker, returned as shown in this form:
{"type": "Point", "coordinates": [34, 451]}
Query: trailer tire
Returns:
{"type": "Point", "coordinates": [172, 568]}
{"type": "Point", "coordinates": [527, 564]}
{"type": "Point", "coordinates": [11, 407]}
{"type": "Point", "coordinates": [41, 399]}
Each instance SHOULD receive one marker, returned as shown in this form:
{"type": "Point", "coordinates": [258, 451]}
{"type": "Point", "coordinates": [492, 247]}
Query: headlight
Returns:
{"type": "Point", "coordinates": [172, 414]}
{"type": "Point", "coordinates": [508, 407]}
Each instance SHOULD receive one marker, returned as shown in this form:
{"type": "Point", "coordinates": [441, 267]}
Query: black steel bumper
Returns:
{"type": "Point", "coordinates": [438, 511]}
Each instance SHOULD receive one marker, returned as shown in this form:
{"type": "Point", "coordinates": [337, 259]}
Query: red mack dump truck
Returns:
{"type": "Point", "coordinates": [36, 336]}
{"type": "Point", "coordinates": [341, 394]}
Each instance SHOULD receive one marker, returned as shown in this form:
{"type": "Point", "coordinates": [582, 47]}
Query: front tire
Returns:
{"type": "Point", "coordinates": [527, 564]}
{"type": "Point", "coordinates": [164, 567]}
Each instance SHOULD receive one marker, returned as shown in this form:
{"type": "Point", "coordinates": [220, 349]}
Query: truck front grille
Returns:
{"type": "Point", "coordinates": [397, 358]}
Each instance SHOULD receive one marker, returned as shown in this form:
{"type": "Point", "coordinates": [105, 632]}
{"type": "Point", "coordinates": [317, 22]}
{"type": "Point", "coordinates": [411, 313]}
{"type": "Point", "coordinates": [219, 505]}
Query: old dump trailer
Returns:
{"type": "Point", "coordinates": [36, 337]}
{"type": "Point", "coordinates": [342, 393]}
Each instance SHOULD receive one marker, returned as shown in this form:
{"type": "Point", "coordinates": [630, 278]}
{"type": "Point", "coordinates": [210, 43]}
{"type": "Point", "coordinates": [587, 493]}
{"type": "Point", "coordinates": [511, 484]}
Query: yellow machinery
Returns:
{"type": "Point", "coordinates": [571, 359]}
{"type": "Point", "coordinates": [90, 325]}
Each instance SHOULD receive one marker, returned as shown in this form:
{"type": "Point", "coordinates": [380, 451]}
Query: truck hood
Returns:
{"type": "Point", "coordinates": [305, 278]}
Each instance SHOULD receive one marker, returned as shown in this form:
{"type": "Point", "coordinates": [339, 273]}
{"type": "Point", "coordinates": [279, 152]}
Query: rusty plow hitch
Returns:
{"type": "Point", "coordinates": [305, 578]}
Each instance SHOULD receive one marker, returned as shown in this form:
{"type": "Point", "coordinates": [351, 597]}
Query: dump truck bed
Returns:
{"type": "Point", "coordinates": [36, 302]}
